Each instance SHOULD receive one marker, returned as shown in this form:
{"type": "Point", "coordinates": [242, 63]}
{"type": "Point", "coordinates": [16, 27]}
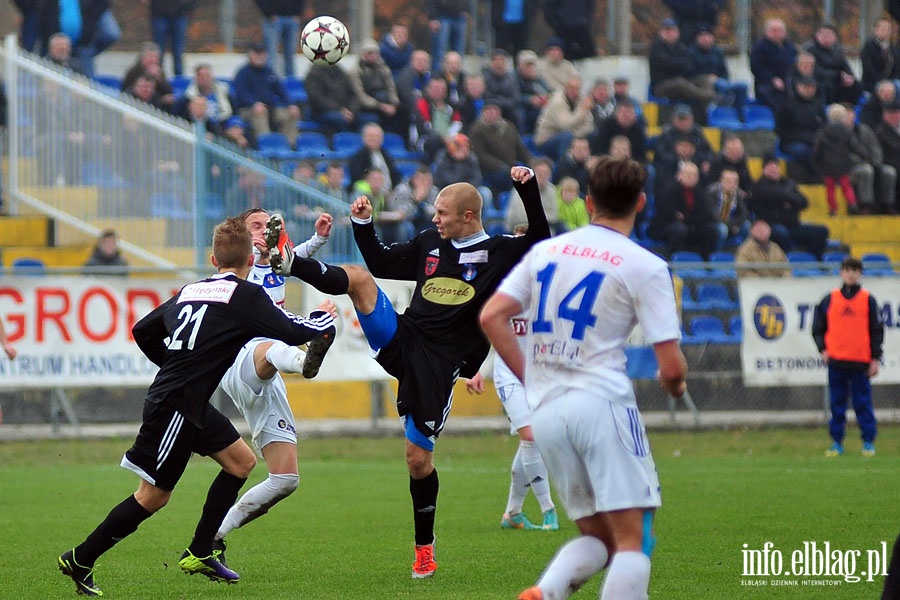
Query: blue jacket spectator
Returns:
{"type": "Point", "coordinates": [396, 51]}
{"type": "Point", "coordinates": [261, 99]}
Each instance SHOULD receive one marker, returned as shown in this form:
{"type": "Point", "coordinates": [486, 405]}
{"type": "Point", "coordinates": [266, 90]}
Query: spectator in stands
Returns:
{"type": "Point", "coordinates": [413, 203]}
{"type": "Point", "coordinates": [570, 20]}
{"type": "Point", "coordinates": [672, 73]}
{"type": "Point", "coordinates": [885, 93]}
{"type": "Point", "coordinates": [888, 133]}
{"type": "Point", "coordinates": [373, 156]}
{"type": "Point", "coordinates": [880, 56]}
{"type": "Point", "coordinates": [216, 93]}
{"type": "Point", "coordinates": [515, 209]}
{"type": "Point", "coordinates": [99, 31]}
{"type": "Point", "coordinates": [778, 201]}
{"type": "Point", "coordinates": [684, 220]}
{"type": "Point", "coordinates": [169, 22]}
{"type": "Point", "coordinates": [411, 83]}
{"type": "Point", "coordinates": [448, 20]}
{"type": "Point", "coordinates": [235, 130]}
{"type": "Point", "coordinates": [457, 163]}
{"type": "Point", "coordinates": [144, 89]}
{"type": "Point", "coordinates": [835, 152]}
{"type": "Point", "coordinates": [603, 102]}
{"type": "Point", "coordinates": [709, 60]}
{"type": "Point", "coordinates": [624, 122]}
{"type": "Point", "coordinates": [472, 101]}
{"type": "Point", "coordinates": [572, 210]}
{"type": "Point", "coordinates": [574, 163]}
{"type": "Point", "coordinates": [261, 99]}
{"type": "Point", "coordinates": [805, 68]}
{"type": "Point", "coordinates": [554, 68]}
{"type": "Point", "coordinates": [281, 22]}
{"type": "Point", "coordinates": [148, 61]}
{"type": "Point", "coordinates": [620, 147]}
{"type": "Point", "coordinates": [332, 98]}
{"type": "Point", "coordinates": [498, 146]}
{"type": "Point", "coordinates": [511, 22]}
{"type": "Point", "coordinates": [771, 60]}
{"type": "Point", "coordinates": [533, 91]}
{"type": "Point", "coordinates": [730, 205]}
{"type": "Point", "coordinates": [28, 29]}
{"type": "Point", "coordinates": [372, 186]}
{"type": "Point", "coordinates": [873, 180]}
{"type": "Point", "coordinates": [106, 257]}
{"type": "Point", "coordinates": [833, 71]}
{"type": "Point", "coordinates": [334, 185]}
{"type": "Point", "coordinates": [759, 248]}
{"type": "Point", "coordinates": [452, 73]}
{"type": "Point", "coordinates": [796, 124]}
{"type": "Point", "coordinates": [695, 15]}
{"type": "Point", "coordinates": [436, 120]}
{"type": "Point", "coordinates": [622, 93]}
{"type": "Point", "coordinates": [374, 86]}
{"type": "Point", "coordinates": [682, 125]}
{"type": "Point", "coordinates": [667, 165]}
{"type": "Point", "coordinates": [396, 51]}
{"type": "Point", "coordinates": [196, 110]}
{"type": "Point", "coordinates": [733, 157]}
{"type": "Point", "coordinates": [59, 52]}
{"type": "Point", "coordinates": [501, 87]}
{"type": "Point", "coordinates": [566, 115]}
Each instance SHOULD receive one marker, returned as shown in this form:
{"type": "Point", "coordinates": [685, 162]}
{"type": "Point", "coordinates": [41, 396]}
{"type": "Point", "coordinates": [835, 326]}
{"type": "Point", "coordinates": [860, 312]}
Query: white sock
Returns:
{"type": "Point", "coordinates": [287, 359]}
{"type": "Point", "coordinates": [518, 484]}
{"type": "Point", "coordinates": [258, 500]}
{"type": "Point", "coordinates": [628, 577]}
{"type": "Point", "coordinates": [576, 562]}
{"type": "Point", "coordinates": [536, 473]}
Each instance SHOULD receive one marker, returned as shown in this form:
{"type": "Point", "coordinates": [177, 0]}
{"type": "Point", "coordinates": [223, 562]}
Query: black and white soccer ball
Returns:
{"type": "Point", "coordinates": [325, 40]}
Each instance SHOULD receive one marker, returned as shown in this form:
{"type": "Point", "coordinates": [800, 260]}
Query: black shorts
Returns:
{"type": "Point", "coordinates": [425, 380]}
{"type": "Point", "coordinates": [166, 440]}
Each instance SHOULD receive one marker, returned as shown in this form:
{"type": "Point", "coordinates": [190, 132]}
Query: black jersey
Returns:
{"type": "Point", "coordinates": [196, 335]}
{"type": "Point", "coordinates": [453, 280]}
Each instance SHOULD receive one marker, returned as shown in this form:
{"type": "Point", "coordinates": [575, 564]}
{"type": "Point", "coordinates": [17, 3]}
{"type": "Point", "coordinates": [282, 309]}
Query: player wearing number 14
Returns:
{"type": "Point", "coordinates": [583, 293]}
{"type": "Point", "coordinates": [194, 338]}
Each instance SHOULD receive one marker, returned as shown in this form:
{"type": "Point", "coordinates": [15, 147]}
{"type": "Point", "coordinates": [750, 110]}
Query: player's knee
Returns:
{"type": "Point", "coordinates": [244, 465]}
{"type": "Point", "coordinates": [419, 464]}
{"type": "Point", "coordinates": [284, 484]}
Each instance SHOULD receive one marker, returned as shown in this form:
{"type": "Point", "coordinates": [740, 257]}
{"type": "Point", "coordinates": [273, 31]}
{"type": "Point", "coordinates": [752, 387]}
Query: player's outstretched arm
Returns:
{"type": "Point", "coordinates": [323, 230]}
{"type": "Point", "coordinates": [526, 185]}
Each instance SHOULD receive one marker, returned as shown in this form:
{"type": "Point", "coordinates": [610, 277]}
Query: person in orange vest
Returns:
{"type": "Point", "coordinates": [848, 332]}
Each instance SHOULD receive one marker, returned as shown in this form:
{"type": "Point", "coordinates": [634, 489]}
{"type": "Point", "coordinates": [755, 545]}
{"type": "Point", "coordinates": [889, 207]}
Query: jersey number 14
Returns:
{"type": "Point", "coordinates": [574, 307]}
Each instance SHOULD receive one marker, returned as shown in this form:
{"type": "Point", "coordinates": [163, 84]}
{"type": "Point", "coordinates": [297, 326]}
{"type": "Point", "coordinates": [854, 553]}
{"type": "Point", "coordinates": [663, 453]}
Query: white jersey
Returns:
{"type": "Point", "coordinates": [584, 291]}
{"type": "Point", "coordinates": [502, 375]}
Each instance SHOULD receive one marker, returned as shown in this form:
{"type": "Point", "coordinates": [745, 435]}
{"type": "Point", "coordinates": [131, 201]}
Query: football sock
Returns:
{"type": "Point", "coordinates": [258, 500]}
{"type": "Point", "coordinates": [576, 562]}
{"type": "Point", "coordinates": [328, 279]}
{"type": "Point", "coordinates": [122, 521]}
{"type": "Point", "coordinates": [424, 494]}
{"type": "Point", "coordinates": [287, 359]}
{"type": "Point", "coordinates": [892, 581]}
{"type": "Point", "coordinates": [222, 494]}
{"type": "Point", "coordinates": [536, 473]}
{"type": "Point", "coordinates": [518, 484]}
{"type": "Point", "coordinates": [628, 577]}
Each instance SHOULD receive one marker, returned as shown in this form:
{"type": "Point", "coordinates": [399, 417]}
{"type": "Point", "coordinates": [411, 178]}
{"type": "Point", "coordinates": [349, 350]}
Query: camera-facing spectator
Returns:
{"type": "Point", "coordinates": [106, 257]}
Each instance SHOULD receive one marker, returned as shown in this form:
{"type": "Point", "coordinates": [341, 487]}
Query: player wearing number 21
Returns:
{"type": "Point", "coordinates": [194, 338]}
{"type": "Point", "coordinates": [583, 292]}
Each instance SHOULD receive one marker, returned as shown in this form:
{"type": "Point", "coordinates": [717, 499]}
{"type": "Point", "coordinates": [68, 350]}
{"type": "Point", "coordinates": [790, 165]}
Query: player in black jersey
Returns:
{"type": "Point", "coordinates": [437, 340]}
{"type": "Point", "coordinates": [194, 337]}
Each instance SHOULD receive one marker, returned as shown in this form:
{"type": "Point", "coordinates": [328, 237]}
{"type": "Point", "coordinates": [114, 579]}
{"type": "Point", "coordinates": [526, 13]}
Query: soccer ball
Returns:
{"type": "Point", "coordinates": [325, 40]}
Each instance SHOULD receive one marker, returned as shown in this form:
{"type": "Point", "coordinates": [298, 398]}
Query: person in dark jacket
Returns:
{"type": "Point", "coordinates": [888, 134]}
{"type": "Point", "coordinates": [511, 21]}
{"type": "Point", "coordinates": [502, 88]}
{"type": "Point", "coordinates": [849, 334]}
{"type": "Point", "coordinates": [778, 201]}
{"type": "Point", "coordinates": [874, 181]}
{"type": "Point", "coordinates": [733, 156]}
{"type": "Point", "coordinates": [373, 155]}
{"type": "Point", "coordinates": [624, 121]}
{"type": "Point", "coordinates": [570, 20]}
{"type": "Point", "coordinates": [28, 31]}
{"type": "Point", "coordinates": [771, 59]}
{"type": "Point", "coordinates": [835, 153]}
{"type": "Point", "coordinates": [672, 73]}
{"type": "Point", "coordinates": [281, 23]}
{"type": "Point", "coordinates": [169, 21]}
{"type": "Point", "coordinates": [796, 124]}
{"type": "Point", "coordinates": [260, 97]}
{"type": "Point", "coordinates": [880, 57]}
{"type": "Point", "coordinates": [885, 93]}
{"type": "Point", "coordinates": [92, 31]}
{"type": "Point", "coordinates": [693, 15]}
{"type": "Point", "coordinates": [684, 220]}
{"type": "Point", "coordinates": [833, 71]}
{"type": "Point", "coordinates": [106, 258]}
{"type": "Point", "coordinates": [332, 98]}
{"type": "Point", "coordinates": [709, 60]}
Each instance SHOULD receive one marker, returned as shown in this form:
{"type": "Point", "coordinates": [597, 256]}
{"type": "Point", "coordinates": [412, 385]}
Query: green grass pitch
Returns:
{"type": "Point", "coordinates": [347, 532]}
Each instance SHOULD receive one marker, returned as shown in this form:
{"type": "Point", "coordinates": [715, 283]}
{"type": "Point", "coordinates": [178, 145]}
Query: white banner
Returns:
{"type": "Point", "coordinates": [76, 331]}
{"type": "Point", "coordinates": [777, 313]}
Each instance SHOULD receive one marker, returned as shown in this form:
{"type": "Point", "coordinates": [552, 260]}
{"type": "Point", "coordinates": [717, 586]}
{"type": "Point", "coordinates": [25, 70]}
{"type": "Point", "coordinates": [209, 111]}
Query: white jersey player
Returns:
{"type": "Point", "coordinates": [255, 385]}
{"type": "Point", "coordinates": [584, 292]}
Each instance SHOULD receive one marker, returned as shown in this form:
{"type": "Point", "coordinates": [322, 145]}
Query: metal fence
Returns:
{"type": "Point", "coordinates": [93, 158]}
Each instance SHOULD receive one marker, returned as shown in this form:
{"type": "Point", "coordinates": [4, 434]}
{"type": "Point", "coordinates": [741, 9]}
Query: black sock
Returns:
{"type": "Point", "coordinates": [424, 494]}
{"type": "Point", "coordinates": [122, 521]}
{"type": "Point", "coordinates": [328, 279]}
{"type": "Point", "coordinates": [892, 581]}
{"type": "Point", "coordinates": [221, 496]}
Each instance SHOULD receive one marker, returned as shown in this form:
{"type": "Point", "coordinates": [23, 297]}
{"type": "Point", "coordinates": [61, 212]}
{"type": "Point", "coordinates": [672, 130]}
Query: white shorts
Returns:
{"type": "Point", "coordinates": [597, 454]}
{"type": "Point", "coordinates": [267, 413]}
{"type": "Point", "coordinates": [516, 406]}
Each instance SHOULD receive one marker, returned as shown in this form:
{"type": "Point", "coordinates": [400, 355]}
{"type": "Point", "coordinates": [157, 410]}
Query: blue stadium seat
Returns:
{"type": "Point", "coordinates": [685, 256]}
{"type": "Point", "coordinates": [169, 206]}
{"type": "Point", "coordinates": [758, 116]}
{"type": "Point", "coordinates": [296, 90]}
{"type": "Point", "coordinates": [346, 143]}
{"type": "Point", "coordinates": [28, 266]}
{"type": "Point", "coordinates": [110, 81]}
{"type": "Point", "coordinates": [407, 167]}
{"type": "Point", "coordinates": [834, 259]}
{"type": "Point", "coordinates": [798, 259]}
{"type": "Point", "coordinates": [309, 126]}
{"type": "Point", "coordinates": [102, 174]}
{"type": "Point", "coordinates": [715, 296]}
{"type": "Point", "coordinates": [877, 264]}
{"type": "Point", "coordinates": [736, 328]}
{"type": "Point", "coordinates": [707, 329]}
{"type": "Point", "coordinates": [724, 265]}
{"type": "Point", "coordinates": [724, 117]}
{"type": "Point", "coordinates": [312, 144]}
{"type": "Point", "coordinates": [273, 141]}
{"type": "Point", "coordinates": [396, 147]}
